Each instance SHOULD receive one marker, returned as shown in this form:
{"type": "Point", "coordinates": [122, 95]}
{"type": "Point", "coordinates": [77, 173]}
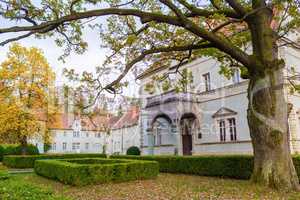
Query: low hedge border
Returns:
{"type": "Point", "coordinates": [231, 166]}
{"type": "Point", "coordinates": [96, 170]}
{"type": "Point", "coordinates": [27, 161]}
{"type": "Point", "coordinates": [15, 149]}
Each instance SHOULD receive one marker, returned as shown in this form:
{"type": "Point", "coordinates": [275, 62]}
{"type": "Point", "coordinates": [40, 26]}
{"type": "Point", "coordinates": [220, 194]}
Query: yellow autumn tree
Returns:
{"type": "Point", "coordinates": [25, 87]}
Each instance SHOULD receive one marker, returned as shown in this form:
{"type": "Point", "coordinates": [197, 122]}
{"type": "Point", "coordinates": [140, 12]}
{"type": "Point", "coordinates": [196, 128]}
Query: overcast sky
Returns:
{"type": "Point", "coordinates": [94, 56]}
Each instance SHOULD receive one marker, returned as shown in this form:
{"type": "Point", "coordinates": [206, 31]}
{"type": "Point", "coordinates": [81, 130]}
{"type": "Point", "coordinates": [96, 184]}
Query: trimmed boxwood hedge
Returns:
{"type": "Point", "coordinates": [15, 149]}
{"type": "Point", "coordinates": [27, 161]}
{"type": "Point", "coordinates": [232, 166]}
{"type": "Point", "coordinates": [96, 170]}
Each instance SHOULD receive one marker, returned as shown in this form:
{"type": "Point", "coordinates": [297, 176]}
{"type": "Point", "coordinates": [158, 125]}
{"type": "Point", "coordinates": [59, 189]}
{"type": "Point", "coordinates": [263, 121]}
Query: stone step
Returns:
{"type": "Point", "coordinates": [20, 171]}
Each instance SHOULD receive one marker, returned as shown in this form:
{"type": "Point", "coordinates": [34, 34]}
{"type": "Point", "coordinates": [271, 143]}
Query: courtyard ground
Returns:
{"type": "Point", "coordinates": [166, 186]}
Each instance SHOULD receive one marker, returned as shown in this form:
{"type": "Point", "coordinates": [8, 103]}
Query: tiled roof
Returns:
{"type": "Point", "coordinates": [66, 120]}
{"type": "Point", "coordinates": [130, 118]}
{"type": "Point", "coordinates": [113, 120]}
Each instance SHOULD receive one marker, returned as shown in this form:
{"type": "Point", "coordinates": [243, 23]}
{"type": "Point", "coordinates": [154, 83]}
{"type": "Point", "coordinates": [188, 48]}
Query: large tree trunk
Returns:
{"type": "Point", "coordinates": [24, 145]}
{"type": "Point", "coordinates": [267, 118]}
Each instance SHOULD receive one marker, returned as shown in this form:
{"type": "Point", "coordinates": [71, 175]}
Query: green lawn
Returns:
{"type": "Point", "coordinates": [166, 186]}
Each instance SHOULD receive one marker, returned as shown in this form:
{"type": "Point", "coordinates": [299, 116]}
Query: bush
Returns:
{"type": "Point", "coordinates": [232, 166]}
{"type": "Point", "coordinates": [30, 150]}
{"type": "Point", "coordinates": [10, 149]}
{"type": "Point", "coordinates": [19, 161]}
{"type": "Point", "coordinates": [223, 166]}
{"type": "Point", "coordinates": [95, 170]}
{"type": "Point", "coordinates": [14, 149]}
{"type": "Point", "coordinates": [133, 151]}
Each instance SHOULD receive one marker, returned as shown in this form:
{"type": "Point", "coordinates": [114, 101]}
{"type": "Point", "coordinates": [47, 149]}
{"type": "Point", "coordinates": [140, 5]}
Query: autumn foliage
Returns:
{"type": "Point", "coordinates": [26, 80]}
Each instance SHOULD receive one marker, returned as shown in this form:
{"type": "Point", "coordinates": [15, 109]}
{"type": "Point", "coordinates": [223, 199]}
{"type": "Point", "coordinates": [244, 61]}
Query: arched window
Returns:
{"type": "Point", "coordinates": [161, 126]}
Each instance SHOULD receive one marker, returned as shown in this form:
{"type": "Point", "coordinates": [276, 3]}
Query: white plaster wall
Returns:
{"type": "Point", "coordinates": [208, 124]}
{"type": "Point", "coordinates": [123, 138]}
{"type": "Point", "coordinates": [95, 143]}
{"type": "Point", "coordinates": [224, 148]}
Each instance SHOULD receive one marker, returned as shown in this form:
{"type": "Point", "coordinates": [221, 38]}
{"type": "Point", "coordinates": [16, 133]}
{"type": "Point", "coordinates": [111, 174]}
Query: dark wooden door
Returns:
{"type": "Point", "coordinates": [187, 144]}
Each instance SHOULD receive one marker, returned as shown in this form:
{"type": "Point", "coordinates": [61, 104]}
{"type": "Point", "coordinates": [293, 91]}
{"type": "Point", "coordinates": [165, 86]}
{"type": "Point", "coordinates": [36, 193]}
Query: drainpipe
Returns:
{"type": "Point", "coordinates": [122, 141]}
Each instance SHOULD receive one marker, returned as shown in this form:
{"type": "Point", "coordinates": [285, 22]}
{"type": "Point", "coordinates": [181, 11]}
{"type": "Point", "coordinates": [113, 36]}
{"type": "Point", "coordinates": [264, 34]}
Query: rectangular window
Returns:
{"type": "Point", "coordinates": [199, 135]}
{"type": "Point", "coordinates": [54, 146]}
{"type": "Point", "coordinates": [207, 84]}
{"type": "Point", "coordinates": [236, 76]}
{"type": "Point", "coordinates": [222, 129]}
{"type": "Point", "coordinates": [65, 134]}
{"type": "Point", "coordinates": [86, 146]}
{"type": "Point", "coordinates": [64, 146]}
{"type": "Point", "coordinates": [232, 129]}
{"type": "Point", "coordinates": [75, 145]}
{"type": "Point", "coordinates": [97, 146]}
{"type": "Point", "coordinates": [76, 133]}
{"type": "Point", "coordinates": [87, 134]}
{"type": "Point", "coordinates": [159, 139]}
{"type": "Point", "coordinates": [97, 135]}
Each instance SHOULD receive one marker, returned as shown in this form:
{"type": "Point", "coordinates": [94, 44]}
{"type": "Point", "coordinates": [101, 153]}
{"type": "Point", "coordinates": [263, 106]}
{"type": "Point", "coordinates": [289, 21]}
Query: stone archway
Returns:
{"type": "Point", "coordinates": [187, 127]}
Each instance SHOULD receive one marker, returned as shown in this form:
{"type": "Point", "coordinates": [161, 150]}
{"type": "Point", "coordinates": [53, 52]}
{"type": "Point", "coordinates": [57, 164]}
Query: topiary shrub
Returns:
{"type": "Point", "coordinates": [20, 161]}
{"type": "Point", "coordinates": [96, 170]}
{"type": "Point", "coordinates": [133, 151]}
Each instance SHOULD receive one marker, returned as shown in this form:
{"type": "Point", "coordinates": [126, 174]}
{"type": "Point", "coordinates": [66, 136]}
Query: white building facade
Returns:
{"type": "Point", "coordinates": [78, 135]}
{"type": "Point", "coordinates": [125, 132]}
{"type": "Point", "coordinates": [211, 117]}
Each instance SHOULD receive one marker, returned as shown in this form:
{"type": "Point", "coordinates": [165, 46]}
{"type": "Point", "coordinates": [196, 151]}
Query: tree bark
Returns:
{"type": "Point", "coordinates": [24, 145]}
{"type": "Point", "coordinates": [267, 118]}
{"type": "Point", "coordinates": [268, 109]}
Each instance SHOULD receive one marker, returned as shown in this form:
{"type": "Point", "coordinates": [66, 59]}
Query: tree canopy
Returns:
{"type": "Point", "coordinates": [26, 81]}
{"type": "Point", "coordinates": [149, 32]}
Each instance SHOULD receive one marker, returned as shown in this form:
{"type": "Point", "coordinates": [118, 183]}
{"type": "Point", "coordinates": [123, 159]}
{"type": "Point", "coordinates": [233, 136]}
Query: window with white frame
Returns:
{"type": "Point", "coordinates": [98, 135]}
{"type": "Point", "coordinates": [207, 84]}
{"type": "Point", "coordinates": [76, 133]}
{"type": "Point", "coordinates": [232, 128]}
{"type": "Point", "coordinates": [87, 146]}
{"type": "Point", "coordinates": [53, 146]}
{"type": "Point", "coordinates": [65, 134]}
{"type": "Point", "coordinates": [64, 146]}
{"type": "Point", "coordinates": [236, 77]}
{"type": "Point", "coordinates": [87, 134]}
{"type": "Point", "coordinates": [75, 146]}
{"type": "Point", "coordinates": [160, 126]}
{"type": "Point", "coordinates": [98, 146]}
{"type": "Point", "coordinates": [222, 130]}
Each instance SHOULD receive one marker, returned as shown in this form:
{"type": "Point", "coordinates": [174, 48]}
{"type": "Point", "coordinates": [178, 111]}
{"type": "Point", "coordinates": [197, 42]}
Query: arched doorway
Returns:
{"type": "Point", "coordinates": [187, 126]}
